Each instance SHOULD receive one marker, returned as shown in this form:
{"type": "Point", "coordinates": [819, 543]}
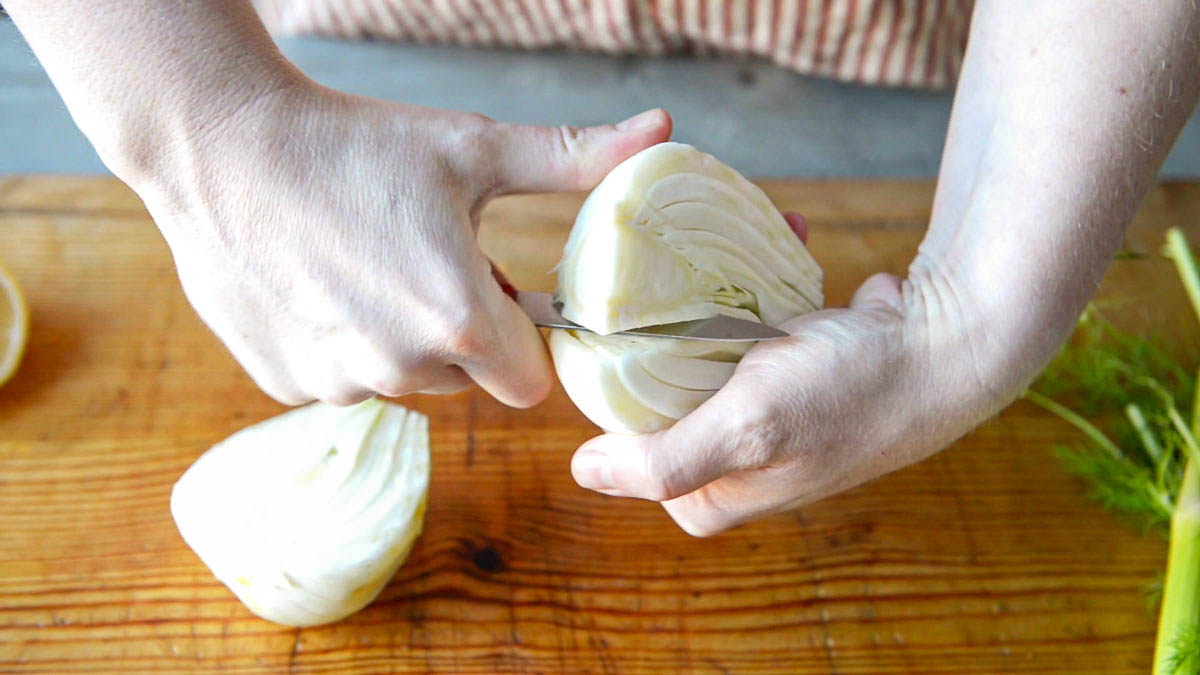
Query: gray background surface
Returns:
{"type": "Point", "coordinates": [759, 118]}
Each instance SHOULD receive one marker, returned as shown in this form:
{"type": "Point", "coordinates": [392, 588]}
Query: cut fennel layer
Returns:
{"type": "Point", "coordinates": [671, 235]}
{"type": "Point", "coordinates": [635, 385]}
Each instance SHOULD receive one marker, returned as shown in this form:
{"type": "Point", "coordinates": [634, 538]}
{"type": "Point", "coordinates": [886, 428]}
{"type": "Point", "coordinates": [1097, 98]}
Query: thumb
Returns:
{"type": "Point", "coordinates": [558, 159]}
{"type": "Point", "coordinates": [698, 449]}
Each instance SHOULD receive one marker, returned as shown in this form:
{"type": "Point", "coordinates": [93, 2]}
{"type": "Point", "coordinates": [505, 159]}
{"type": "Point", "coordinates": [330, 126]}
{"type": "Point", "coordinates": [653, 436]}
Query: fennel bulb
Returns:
{"type": "Point", "coordinates": [671, 234]}
{"type": "Point", "coordinates": [307, 515]}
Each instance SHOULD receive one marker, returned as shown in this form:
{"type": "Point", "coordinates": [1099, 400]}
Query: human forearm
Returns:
{"type": "Point", "coordinates": [144, 78]}
{"type": "Point", "coordinates": [1063, 115]}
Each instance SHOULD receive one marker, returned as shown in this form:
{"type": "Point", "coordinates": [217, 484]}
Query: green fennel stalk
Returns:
{"type": "Point", "coordinates": [1147, 465]}
{"type": "Point", "coordinates": [1178, 646]}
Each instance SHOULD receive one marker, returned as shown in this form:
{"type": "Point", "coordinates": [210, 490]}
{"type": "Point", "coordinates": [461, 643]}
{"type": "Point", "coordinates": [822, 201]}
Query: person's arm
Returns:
{"type": "Point", "coordinates": [327, 239]}
{"type": "Point", "coordinates": [1063, 114]}
{"type": "Point", "coordinates": [141, 79]}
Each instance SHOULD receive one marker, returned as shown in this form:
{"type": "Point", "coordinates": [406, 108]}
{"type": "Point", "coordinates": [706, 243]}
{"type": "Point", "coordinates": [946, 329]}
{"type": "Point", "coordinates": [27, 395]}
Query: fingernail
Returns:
{"type": "Point", "coordinates": [798, 224]}
{"type": "Point", "coordinates": [640, 121]}
{"type": "Point", "coordinates": [592, 470]}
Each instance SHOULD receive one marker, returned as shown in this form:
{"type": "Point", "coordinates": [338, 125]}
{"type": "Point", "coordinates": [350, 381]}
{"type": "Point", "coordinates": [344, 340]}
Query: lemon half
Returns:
{"type": "Point", "coordinates": [14, 325]}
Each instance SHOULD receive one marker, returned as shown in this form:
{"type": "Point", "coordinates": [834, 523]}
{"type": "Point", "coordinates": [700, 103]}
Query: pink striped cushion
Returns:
{"type": "Point", "coordinates": [913, 43]}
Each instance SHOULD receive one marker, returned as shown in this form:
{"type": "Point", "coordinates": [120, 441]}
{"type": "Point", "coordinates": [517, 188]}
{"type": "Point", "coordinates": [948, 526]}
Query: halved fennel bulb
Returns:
{"type": "Point", "coordinates": [671, 234]}
{"type": "Point", "coordinates": [307, 515]}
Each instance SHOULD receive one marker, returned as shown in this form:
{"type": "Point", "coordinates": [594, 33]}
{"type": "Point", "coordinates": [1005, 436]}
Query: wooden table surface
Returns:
{"type": "Point", "coordinates": [983, 559]}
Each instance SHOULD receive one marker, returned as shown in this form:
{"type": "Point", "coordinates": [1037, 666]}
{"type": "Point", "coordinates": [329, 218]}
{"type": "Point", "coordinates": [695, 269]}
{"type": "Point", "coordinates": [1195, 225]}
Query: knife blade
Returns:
{"type": "Point", "coordinates": [544, 311]}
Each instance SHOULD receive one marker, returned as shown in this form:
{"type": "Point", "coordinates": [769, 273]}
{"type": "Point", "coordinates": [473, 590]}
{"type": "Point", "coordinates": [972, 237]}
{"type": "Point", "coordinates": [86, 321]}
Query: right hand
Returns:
{"type": "Point", "coordinates": [330, 240]}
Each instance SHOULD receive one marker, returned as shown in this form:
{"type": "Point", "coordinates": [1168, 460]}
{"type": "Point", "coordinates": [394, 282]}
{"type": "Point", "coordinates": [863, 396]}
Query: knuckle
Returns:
{"type": "Point", "coordinates": [466, 343]}
{"type": "Point", "coordinates": [432, 378]}
{"type": "Point", "coordinates": [347, 396]}
{"type": "Point", "coordinates": [472, 141]}
{"type": "Point", "coordinates": [329, 385]}
{"type": "Point", "coordinates": [446, 388]}
{"type": "Point", "coordinates": [448, 380]}
{"type": "Point", "coordinates": [570, 139]}
{"type": "Point", "coordinates": [462, 332]}
{"type": "Point", "coordinates": [326, 379]}
{"type": "Point", "coordinates": [659, 490]}
{"type": "Point", "coordinates": [467, 130]}
{"type": "Point", "coordinates": [572, 143]}
{"type": "Point", "coordinates": [387, 380]}
{"type": "Point", "coordinates": [662, 478]}
{"type": "Point", "coordinates": [392, 388]}
{"type": "Point", "coordinates": [275, 383]}
{"type": "Point", "coordinates": [401, 377]}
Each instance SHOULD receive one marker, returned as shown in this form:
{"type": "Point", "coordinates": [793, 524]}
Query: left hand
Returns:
{"type": "Point", "coordinates": [855, 393]}
{"type": "Point", "coordinates": [1046, 160]}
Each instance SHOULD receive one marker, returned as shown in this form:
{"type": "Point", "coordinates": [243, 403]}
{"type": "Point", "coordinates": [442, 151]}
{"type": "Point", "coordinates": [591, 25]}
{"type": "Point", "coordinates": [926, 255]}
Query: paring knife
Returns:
{"type": "Point", "coordinates": [544, 311]}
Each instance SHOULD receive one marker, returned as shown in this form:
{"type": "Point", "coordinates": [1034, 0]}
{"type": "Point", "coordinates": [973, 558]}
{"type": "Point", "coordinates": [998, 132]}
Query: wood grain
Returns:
{"type": "Point", "coordinates": [983, 559]}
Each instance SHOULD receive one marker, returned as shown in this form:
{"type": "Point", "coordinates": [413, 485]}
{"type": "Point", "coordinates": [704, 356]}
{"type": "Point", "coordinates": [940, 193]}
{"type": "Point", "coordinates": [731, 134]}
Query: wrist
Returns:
{"type": "Point", "coordinates": [985, 337]}
{"type": "Point", "coordinates": [148, 141]}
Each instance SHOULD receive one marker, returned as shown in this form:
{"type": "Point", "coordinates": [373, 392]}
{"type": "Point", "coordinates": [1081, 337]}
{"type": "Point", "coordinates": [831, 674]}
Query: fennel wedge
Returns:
{"type": "Point", "coordinates": [307, 515]}
{"type": "Point", "coordinates": [671, 234]}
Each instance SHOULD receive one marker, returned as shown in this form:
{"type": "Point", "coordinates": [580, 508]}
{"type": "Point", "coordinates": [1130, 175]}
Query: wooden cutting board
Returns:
{"type": "Point", "coordinates": [983, 559]}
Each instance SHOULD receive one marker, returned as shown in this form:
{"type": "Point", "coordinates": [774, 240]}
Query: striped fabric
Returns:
{"type": "Point", "coordinates": [909, 43]}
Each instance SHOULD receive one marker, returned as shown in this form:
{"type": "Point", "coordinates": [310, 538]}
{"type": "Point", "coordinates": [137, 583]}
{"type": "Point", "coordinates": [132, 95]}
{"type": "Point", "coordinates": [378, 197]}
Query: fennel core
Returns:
{"type": "Point", "coordinates": [1147, 466]}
